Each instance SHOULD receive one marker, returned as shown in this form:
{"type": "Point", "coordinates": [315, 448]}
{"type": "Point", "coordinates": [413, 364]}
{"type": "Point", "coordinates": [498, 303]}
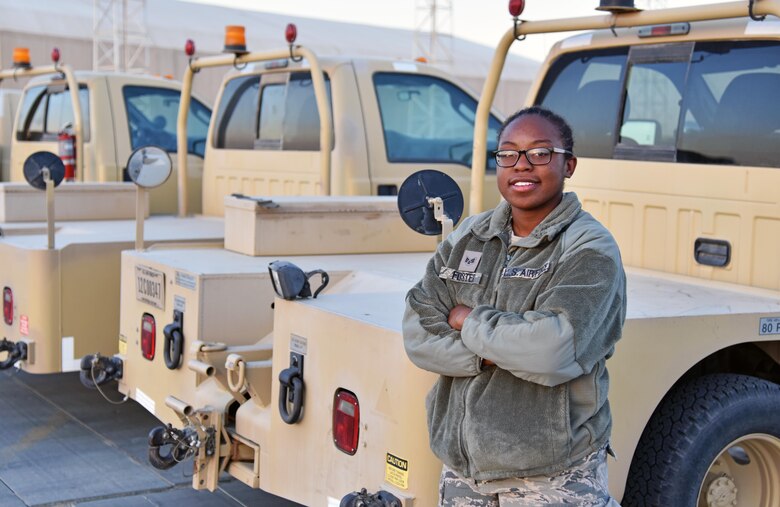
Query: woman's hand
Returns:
{"type": "Point", "coordinates": [457, 315]}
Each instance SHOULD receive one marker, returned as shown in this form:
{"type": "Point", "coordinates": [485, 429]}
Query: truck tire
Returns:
{"type": "Point", "coordinates": [714, 441]}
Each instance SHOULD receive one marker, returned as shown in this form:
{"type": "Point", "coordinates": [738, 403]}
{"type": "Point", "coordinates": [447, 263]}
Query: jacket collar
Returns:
{"type": "Point", "coordinates": [497, 223]}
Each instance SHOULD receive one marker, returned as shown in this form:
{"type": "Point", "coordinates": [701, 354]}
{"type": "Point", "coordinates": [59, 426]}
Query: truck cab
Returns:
{"type": "Point", "coordinates": [264, 139]}
{"type": "Point", "coordinates": [120, 113]}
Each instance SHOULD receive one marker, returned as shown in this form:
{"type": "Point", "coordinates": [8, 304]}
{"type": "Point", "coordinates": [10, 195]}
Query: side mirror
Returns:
{"type": "Point", "coordinates": [430, 202]}
{"type": "Point", "coordinates": [149, 166]}
{"type": "Point", "coordinates": [38, 164]}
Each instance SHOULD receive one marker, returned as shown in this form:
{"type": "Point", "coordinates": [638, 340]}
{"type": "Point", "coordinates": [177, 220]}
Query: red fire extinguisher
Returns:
{"type": "Point", "coordinates": [67, 149]}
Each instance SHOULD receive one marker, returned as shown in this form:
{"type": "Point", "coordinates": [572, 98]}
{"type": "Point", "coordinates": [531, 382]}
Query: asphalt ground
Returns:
{"type": "Point", "coordinates": [62, 444]}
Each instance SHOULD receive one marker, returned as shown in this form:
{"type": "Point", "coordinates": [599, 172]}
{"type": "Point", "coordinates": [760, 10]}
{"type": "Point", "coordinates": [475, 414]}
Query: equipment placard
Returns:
{"type": "Point", "coordinates": [24, 325]}
{"type": "Point", "coordinates": [150, 286]}
{"type": "Point", "coordinates": [397, 471]}
{"type": "Point", "coordinates": [769, 325]}
{"type": "Point", "coordinates": [123, 344]}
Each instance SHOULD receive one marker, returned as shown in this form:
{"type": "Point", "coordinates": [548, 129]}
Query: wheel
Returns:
{"type": "Point", "coordinates": [713, 442]}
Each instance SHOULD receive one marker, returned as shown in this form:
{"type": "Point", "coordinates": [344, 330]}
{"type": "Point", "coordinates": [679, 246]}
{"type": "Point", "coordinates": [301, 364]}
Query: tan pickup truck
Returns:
{"type": "Point", "coordinates": [674, 113]}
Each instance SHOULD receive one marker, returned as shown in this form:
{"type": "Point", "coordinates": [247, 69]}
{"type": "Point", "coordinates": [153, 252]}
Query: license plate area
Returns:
{"type": "Point", "coordinates": [150, 286]}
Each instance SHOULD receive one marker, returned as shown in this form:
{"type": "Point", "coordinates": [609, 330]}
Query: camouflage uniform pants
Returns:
{"type": "Point", "coordinates": [583, 485]}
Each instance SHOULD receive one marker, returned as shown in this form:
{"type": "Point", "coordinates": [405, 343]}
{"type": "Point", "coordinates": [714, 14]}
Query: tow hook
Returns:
{"type": "Point", "coordinates": [363, 498]}
{"type": "Point", "coordinates": [16, 351]}
{"type": "Point", "coordinates": [291, 390]}
{"type": "Point", "coordinates": [96, 370]}
{"type": "Point", "coordinates": [169, 446]}
{"type": "Point", "coordinates": [174, 341]}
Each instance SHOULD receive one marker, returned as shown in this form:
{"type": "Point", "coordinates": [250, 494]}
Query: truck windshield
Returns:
{"type": "Point", "coordinates": [427, 119]}
{"type": "Point", "coordinates": [47, 109]}
{"type": "Point", "coordinates": [152, 115]}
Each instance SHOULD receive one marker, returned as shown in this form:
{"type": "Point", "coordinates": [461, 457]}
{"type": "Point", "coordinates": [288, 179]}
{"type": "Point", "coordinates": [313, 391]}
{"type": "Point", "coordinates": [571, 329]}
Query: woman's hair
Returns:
{"type": "Point", "coordinates": [564, 130]}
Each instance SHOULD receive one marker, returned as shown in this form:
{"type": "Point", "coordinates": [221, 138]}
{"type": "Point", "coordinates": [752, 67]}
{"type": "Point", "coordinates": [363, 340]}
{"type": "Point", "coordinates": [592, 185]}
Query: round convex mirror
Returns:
{"type": "Point", "coordinates": [34, 168]}
{"type": "Point", "coordinates": [417, 212]}
{"type": "Point", "coordinates": [149, 166]}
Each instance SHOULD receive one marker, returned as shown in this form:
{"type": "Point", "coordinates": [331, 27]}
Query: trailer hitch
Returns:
{"type": "Point", "coordinates": [16, 351]}
{"type": "Point", "coordinates": [96, 370]}
{"type": "Point", "coordinates": [169, 446]}
{"type": "Point", "coordinates": [291, 388]}
{"type": "Point", "coordinates": [363, 498]}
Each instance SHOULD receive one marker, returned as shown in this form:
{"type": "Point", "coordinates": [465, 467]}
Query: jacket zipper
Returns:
{"type": "Point", "coordinates": [494, 297]}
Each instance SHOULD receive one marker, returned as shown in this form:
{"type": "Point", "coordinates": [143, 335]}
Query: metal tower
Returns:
{"type": "Point", "coordinates": [120, 42]}
{"type": "Point", "coordinates": [433, 30]}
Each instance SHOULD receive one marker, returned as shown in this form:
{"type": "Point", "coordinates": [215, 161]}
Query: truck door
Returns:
{"type": "Point", "coordinates": [151, 114]}
{"type": "Point", "coordinates": [427, 123]}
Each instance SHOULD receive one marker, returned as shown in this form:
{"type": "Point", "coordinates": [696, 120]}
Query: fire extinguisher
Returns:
{"type": "Point", "coordinates": [67, 148]}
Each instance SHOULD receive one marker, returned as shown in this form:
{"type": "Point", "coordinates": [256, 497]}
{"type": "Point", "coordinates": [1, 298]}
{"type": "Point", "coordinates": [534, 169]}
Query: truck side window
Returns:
{"type": "Point", "coordinates": [288, 118]}
{"type": "Point", "coordinates": [236, 114]}
{"type": "Point", "coordinates": [731, 111]}
{"type": "Point", "coordinates": [427, 119]}
{"type": "Point", "coordinates": [651, 110]}
{"type": "Point", "coordinates": [46, 110]}
{"type": "Point", "coordinates": [585, 88]}
{"type": "Point", "coordinates": [152, 115]}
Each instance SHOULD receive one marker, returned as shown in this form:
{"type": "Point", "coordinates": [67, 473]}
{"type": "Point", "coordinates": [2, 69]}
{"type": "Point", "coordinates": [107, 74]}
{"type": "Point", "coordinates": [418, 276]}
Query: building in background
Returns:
{"type": "Point", "coordinates": [43, 24]}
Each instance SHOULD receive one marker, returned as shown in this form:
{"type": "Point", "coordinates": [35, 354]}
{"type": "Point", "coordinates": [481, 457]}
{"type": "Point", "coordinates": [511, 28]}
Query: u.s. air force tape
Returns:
{"type": "Point", "coordinates": [460, 276]}
{"type": "Point", "coordinates": [522, 272]}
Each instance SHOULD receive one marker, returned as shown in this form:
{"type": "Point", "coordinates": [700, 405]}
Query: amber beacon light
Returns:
{"type": "Point", "coordinates": [235, 39]}
{"type": "Point", "coordinates": [21, 58]}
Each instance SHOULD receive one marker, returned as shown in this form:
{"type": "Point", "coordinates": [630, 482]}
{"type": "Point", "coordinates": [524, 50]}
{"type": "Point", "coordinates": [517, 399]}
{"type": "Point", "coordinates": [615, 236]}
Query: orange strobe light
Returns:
{"type": "Point", "coordinates": [22, 58]}
{"type": "Point", "coordinates": [235, 39]}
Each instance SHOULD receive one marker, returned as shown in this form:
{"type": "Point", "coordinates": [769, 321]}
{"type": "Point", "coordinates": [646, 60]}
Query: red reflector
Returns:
{"type": "Point", "coordinates": [346, 421]}
{"type": "Point", "coordinates": [516, 7]}
{"type": "Point", "coordinates": [8, 306]}
{"type": "Point", "coordinates": [189, 47]}
{"type": "Point", "coordinates": [291, 33]}
{"type": "Point", "coordinates": [661, 30]}
{"type": "Point", "coordinates": [148, 333]}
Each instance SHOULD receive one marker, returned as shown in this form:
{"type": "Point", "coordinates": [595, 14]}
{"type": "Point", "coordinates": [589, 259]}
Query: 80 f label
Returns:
{"type": "Point", "coordinates": [769, 325]}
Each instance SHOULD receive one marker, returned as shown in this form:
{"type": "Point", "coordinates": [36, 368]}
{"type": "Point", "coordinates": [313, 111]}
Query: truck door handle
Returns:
{"type": "Point", "coordinates": [387, 190]}
{"type": "Point", "coordinates": [712, 252]}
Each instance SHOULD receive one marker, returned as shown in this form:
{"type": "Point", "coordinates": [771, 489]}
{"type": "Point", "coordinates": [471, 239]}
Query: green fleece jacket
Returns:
{"type": "Point", "coordinates": [547, 313]}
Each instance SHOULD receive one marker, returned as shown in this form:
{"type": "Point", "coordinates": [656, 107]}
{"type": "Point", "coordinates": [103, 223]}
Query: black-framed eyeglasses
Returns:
{"type": "Point", "coordinates": [535, 156]}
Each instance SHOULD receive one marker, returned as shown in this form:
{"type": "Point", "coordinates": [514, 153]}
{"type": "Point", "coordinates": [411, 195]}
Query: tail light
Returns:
{"type": "Point", "coordinates": [8, 305]}
{"type": "Point", "coordinates": [346, 421]}
{"type": "Point", "coordinates": [148, 333]}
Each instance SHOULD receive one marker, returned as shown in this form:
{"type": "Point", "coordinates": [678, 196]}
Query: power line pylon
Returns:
{"type": "Point", "coordinates": [433, 30]}
{"type": "Point", "coordinates": [120, 40]}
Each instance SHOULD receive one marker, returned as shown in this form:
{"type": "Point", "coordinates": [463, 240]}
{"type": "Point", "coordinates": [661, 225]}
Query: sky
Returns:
{"type": "Point", "coordinates": [482, 21]}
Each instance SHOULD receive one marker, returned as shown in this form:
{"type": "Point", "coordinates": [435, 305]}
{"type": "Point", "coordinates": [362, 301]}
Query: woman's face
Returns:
{"type": "Point", "coordinates": [533, 191]}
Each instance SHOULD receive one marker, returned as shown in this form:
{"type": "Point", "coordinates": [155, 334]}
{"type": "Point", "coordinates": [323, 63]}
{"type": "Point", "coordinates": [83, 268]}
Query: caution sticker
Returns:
{"type": "Point", "coordinates": [397, 471]}
{"type": "Point", "coordinates": [24, 325]}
